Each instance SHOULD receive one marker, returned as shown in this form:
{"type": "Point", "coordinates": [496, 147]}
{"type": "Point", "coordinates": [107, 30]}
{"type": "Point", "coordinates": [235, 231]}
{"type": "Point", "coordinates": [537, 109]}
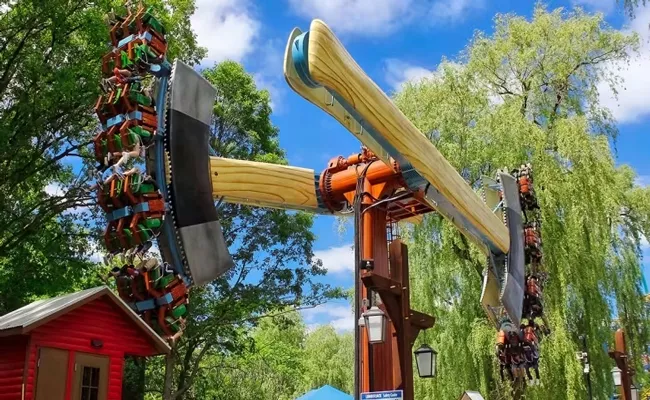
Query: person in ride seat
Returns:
{"type": "Point", "coordinates": [120, 77]}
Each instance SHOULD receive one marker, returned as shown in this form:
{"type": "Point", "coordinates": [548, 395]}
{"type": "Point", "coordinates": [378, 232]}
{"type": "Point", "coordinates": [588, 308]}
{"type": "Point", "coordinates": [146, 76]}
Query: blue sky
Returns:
{"type": "Point", "coordinates": [393, 41]}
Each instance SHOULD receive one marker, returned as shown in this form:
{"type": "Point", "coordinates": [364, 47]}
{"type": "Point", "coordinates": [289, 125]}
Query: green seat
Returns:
{"type": "Point", "coordinates": [117, 141]}
{"type": "Point", "coordinates": [129, 236]}
{"type": "Point", "coordinates": [143, 52]}
{"type": "Point", "coordinates": [147, 188]}
{"type": "Point", "coordinates": [179, 311]}
{"type": "Point", "coordinates": [153, 223]}
{"type": "Point", "coordinates": [137, 133]}
{"type": "Point", "coordinates": [119, 187]}
{"type": "Point", "coordinates": [126, 61]}
{"type": "Point", "coordinates": [140, 98]}
{"type": "Point", "coordinates": [165, 280]}
{"type": "Point", "coordinates": [139, 187]}
{"type": "Point", "coordinates": [144, 233]}
{"type": "Point", "coordinates": [118, 94]}
{"type": "Point", "coordinates": [173, 324]}
{"type": "Point", "coordinates": [154, 274]}
{"type": "Point", "coordinates": [150, 20]}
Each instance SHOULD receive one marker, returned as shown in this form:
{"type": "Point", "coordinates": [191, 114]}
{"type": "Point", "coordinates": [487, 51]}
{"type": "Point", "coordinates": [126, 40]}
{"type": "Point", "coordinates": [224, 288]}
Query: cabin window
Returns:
{"type": "Point", "coordinates": [90, 384]}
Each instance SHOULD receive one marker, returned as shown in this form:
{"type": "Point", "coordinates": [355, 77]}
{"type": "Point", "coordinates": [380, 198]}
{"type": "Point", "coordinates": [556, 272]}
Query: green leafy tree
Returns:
{"type": "Point", "coordinates": [50, 58]}
{"type": "Point", "coordinates": [328, 360]}
{"type": "Point", "coordinates": [528, 93]}
{"type": "Point", "coordinates": [282, 361]}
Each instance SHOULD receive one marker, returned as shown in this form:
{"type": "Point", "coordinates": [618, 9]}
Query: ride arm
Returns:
{"type": "Point", "coordinates": [264, 184]}
{"type": "Point", "coordinates": [320, 97]}
{"type": "Point", "coordinates": [325, 63]}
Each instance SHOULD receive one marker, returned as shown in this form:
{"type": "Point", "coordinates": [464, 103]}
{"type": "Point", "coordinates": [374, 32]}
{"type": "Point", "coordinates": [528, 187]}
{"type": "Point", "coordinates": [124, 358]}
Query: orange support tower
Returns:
{"type": "Point", "coordinates": [620, 357]}
{"type": "Point", "coordinates": [381, 199]}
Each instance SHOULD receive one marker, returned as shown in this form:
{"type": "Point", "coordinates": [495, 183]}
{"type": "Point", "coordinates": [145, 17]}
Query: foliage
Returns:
{"type": "Point", "coordinates": [50, 54]}
{"type": "Point", "coordinates": [283, 362]}
{"type": "Point", "coordinates": [328, 360]}
{"type": "Point", "coordinates": [528, 94]}
{"type": "Point", "coordinates": [630, 6]}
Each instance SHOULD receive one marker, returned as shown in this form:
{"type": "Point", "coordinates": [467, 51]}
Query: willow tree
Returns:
{"type": "Point", "coordinates": [528, 93]}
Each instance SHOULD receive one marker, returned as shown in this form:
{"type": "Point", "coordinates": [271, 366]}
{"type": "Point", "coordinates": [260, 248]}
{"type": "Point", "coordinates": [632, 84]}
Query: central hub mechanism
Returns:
{"type": "Point", "coordinates": [339, 181]}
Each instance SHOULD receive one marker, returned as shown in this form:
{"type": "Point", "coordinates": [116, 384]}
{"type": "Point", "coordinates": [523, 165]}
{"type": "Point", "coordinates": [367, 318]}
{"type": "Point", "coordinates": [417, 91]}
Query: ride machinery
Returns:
{"type": "Point", "coordinates": [159, 183]}
{"type": "Point", "coordinates": [152, 154]}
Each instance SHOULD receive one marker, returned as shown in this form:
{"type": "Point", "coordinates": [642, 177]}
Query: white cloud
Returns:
{"type": "Point", "coordinates": [632, 103]}
{"type": "Point", "coordinates": [642, 180]}
{"type": "Point", "coordinates": [270, 72]}
{"type": "Point", "coordinates": [382, 17]}
{"type": "Point", "coordinates": [226, 28]}
{"type": "Point", "coordinates": [97, 252]}
{"type": "Point", "coordinates": [450, 11]}
{"type": "Point", "coordinates": [337, 259]}
{"type": "Point", "coordinates": [604, 6]}
{"type": "Point", "coordinates": [339, 316]}
{"type": "Point", "coordinates": [54, 189]}
{"type": "Point", "coordinates": [399, 73]}
{"type": "Point", "coordinates": [363, 17]}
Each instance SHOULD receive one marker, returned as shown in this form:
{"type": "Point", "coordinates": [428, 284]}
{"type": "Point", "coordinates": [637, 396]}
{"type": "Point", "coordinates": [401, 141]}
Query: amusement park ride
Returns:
{"type": "Point", "coordinates": [158, 182]}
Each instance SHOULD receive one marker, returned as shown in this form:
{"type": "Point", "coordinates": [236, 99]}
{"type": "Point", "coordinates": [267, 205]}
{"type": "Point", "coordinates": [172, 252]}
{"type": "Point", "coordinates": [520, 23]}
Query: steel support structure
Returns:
{"type": "Point", "coordinates": [381, 197]}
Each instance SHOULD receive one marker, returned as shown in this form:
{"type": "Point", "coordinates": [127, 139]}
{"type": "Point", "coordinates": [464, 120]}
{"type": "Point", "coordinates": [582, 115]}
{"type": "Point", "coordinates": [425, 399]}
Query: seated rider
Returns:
{"type": "Point", "coordinates": [120, 77]}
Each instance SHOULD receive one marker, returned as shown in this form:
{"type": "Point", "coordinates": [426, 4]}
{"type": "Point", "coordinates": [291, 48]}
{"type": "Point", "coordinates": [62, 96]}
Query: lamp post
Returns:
{"type": "Point", "coordinates": [616, 376]}
{"type": "Point", "coordinates": [426, 360]}
{"type": "Point", "coordinates": [634, 392]}
{"type": "Point", "coordinates": [375, 323]}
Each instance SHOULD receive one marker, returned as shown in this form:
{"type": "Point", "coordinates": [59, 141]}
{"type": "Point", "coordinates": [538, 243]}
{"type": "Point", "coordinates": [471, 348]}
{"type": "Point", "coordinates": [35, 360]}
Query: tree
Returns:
{"type": "Point", "coordinates": [328, 360]}
{"type": "Point", "coordinates": [528, 94]}
{"type": "Point", "coordinates": [50, 58]}
{"type": "Point", "coordinates": [283, 362]}
{"type": "Point", "coordinates": [630, 6]}
{"type": "Point", "coordinates": [272, 249]}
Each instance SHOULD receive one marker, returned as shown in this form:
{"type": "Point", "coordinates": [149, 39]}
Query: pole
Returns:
{"type": "Point", "coordinates": [358, 295]}
{"type": "Point", "coordinates": [587, 365]}
{"type": "Point", "coordinates": [620, 357]}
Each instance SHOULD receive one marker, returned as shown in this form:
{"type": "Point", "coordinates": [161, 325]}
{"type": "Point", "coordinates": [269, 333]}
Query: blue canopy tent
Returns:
{"type": "Point", "coordinates": [325, 393]}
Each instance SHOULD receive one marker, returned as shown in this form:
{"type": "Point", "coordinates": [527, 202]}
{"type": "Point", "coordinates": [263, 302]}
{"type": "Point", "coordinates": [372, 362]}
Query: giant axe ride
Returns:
{"type": "Point", "coordinates": [161, 113]}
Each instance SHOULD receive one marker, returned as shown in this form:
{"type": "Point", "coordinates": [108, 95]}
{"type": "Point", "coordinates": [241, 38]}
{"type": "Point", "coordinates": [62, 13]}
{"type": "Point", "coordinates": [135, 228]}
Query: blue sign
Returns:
{"type": "Point", "coordinates": [393, 395]}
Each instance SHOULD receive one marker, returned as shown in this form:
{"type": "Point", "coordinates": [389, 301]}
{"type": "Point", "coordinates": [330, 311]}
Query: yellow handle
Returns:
{"type": "Point", "coordinates": [332, 66]}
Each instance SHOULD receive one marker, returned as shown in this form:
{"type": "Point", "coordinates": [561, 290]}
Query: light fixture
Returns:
{"type": "Point", "coordinates": [616, 375]}
{"type": "Point", "coordinates": [634, 392]}
{"type": "Point", "coordinates": [425, 358]}
{"type": "Point", "coordinates": [375, 323]}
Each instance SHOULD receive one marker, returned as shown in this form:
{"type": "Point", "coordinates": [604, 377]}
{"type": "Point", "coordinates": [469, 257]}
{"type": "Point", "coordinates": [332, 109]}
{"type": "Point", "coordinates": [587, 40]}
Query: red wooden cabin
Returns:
{"type": "Point", "coordinates": [72, 347]}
